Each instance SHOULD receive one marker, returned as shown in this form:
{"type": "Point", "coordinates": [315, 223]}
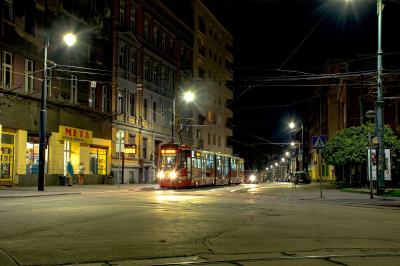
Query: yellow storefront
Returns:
{"type": "Point", "coordinates": [19, 157]}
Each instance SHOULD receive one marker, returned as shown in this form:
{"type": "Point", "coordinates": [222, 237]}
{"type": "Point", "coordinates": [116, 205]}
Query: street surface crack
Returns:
{"type": "Point", "coordinates": [10, 256]}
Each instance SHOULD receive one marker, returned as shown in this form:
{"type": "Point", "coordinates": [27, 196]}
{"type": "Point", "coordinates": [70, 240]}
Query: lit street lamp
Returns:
{"type": "Point", "coordinates": [370, 114]}
{"type": "Point", "coordinates": [70, 39]}
{"type": "Point", "coordinates": [188, 96]}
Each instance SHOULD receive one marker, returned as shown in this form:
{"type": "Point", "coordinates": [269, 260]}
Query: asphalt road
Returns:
{"type": "Point", "coordinates": [264, 224]}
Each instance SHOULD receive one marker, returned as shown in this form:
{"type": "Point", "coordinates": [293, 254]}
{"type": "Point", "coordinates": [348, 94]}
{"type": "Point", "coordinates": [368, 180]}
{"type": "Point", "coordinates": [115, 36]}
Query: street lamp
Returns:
{"type": "Point", "coordinates": [70, 39]}
{"type": "Point", "coordinates": [370, 114]}
{"type": "Point", "coordinates": [188, 96]}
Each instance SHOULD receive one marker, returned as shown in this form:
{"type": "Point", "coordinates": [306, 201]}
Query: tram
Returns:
{"type": "Point", "coordinates": [182, 166]}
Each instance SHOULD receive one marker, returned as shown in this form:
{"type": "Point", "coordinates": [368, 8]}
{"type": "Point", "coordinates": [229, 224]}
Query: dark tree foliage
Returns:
{"type": "Point", "coordinates": [350, 146]}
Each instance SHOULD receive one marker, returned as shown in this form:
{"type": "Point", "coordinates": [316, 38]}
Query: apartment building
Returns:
{"type": "Point", "coordinates": [211, 59]}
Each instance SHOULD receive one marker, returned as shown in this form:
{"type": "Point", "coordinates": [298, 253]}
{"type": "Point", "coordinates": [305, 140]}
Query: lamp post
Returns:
{"type": "Point", "coordinates": [188, 96]}
{"type": "Point", "coordinates": [43, 113]}
{"type": "Point", "coordinates": [379, 110]}
{"type": "Point", "coordinates": [370, 114]}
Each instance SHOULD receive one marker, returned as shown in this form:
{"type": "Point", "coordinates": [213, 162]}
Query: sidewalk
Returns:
{"type": "Point", "coordinates": [17, 192]}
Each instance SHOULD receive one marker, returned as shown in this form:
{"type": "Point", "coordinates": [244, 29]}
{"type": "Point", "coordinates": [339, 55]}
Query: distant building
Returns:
{"type": "Point", "coordinates": [211, 60]}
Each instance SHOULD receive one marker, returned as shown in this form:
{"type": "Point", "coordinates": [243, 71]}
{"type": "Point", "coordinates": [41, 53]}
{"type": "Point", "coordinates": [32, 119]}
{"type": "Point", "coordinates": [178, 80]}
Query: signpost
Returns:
{"type": "Point", "coordinates": [319, 142]}
{"type": "Point", "coordinates": [120, 137]}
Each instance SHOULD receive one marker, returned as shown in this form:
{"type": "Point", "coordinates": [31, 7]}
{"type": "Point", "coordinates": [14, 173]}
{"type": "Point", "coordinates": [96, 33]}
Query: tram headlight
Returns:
{"type": "Point", "coordinates": [160, 175]}
{"type": "Point", "coordinates": [252, 178]}
{"type": "Point", "coordinates": [172, 175]}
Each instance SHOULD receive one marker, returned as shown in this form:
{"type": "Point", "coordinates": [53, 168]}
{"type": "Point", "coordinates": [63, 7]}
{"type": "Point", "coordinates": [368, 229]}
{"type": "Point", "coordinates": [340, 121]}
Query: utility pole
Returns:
{"type": "Point", "coordinates": [43, 112]}
{"type": "Point", "coordinates": [380, 105]}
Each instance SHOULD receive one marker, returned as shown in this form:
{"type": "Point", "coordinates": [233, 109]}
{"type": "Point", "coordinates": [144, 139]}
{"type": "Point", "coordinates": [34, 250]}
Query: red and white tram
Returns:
{"type": "Point", "coordinates": [182, 166]}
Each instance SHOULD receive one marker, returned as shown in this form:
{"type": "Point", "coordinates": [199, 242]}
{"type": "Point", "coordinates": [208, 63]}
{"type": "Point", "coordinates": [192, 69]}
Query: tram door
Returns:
{"type": "Point", "coordinates": [189, 166]}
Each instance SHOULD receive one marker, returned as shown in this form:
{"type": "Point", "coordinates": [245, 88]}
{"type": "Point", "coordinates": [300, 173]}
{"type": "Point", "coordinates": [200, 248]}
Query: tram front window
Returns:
{"type": "Point", "coordinates": [168, 161]}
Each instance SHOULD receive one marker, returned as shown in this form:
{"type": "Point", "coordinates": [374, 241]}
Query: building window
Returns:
{"type": "Point", "coordinates": [132, 105]}
{"type": "Point", "coordinates": [220, 39]}
{"type": "Point", "coordinates": [146, 29]}
{"type": "Point", "coordinates": [8, 10]}
{"type": "Point", "coordinates": [214, 98]}
{"type": "Point", "coordinates": [145, 109]}
{"type": "Point", "coordinates": [48, 82]}
{"type": "Point", "coordinates": [154, 112]}
{"type": "Point", "coordinates": [104, 99]}
{"type": "Point", "coordinates": [120, 103]}
{"type": "Point", "coordinates": [215, 118]}
{"type": "Point", "coordinates": [163, 41]}
{"type": "Point", "coordinates": [210, 30]}
{"type": "Point", "coordinates": [7, 73]}
{"type": "Point", "coordinates": [98, 161]}
{"type": "Point", "coordinates": [144, 155]}
{"type": "Point", "coordinates": [28, 76]}
{"type": "Point", "coordinates": [182, 55]}
{"type": "Point", "coordinates": [121, 56]}
{"type": "Point", "coordinates": [155, 39]}
{"type": "Point", "coordinates": [133, 20]}
{"type": "Point", "coordinates": [162, 115]}
{"type": "Point", "coordinates": [132, 63]}
{"type": "Point", "coordinates": [214, 139]}
{"type": "Point", "coordinates": [74, 89]}
{"type": "Point", "coordinates": [219, 59]}
{"type": "Point", "coordinates": [210, 52]}
{"type": "Point", "coordinates": [145, 69]}
{"type": "Point", "coordinates": [171, 82]}
{"type": "Point", "coordinates": [215, 55]}
{"type": "Point", "coordinates": [163, 78]}
{"type": "Point", "coordinates": [219, 120]}
{"type": "Point", "coordinates": [215, 34]}
{"type": "Point", "coordinates": [171, 46]}
{"type": "Point", "coordinates": [219, 141]}
{"type": "Point", "coordinates": [219, 100]}
{"type": "Point", "coordinates": [92, 97]}
{"type": "Point", "coordinates": [155, 75]}
{"type": "Point", "coordinates": [121, 12]}
{"type": "Point", "coordinates": [209, 116]}
{"type": "Point", "coordinates": [209, 138]}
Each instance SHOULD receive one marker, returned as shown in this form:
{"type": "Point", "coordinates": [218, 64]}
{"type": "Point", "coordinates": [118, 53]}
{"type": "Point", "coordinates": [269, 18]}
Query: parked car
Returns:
{"type": "Point", "coordinates": [302, 177]}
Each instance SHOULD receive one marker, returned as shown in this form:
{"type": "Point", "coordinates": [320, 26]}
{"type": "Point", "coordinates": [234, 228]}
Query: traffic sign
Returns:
{"type": "Point", "coordinates": [293, 153]}
{"type": "Point", "coordinates": [319, 142]}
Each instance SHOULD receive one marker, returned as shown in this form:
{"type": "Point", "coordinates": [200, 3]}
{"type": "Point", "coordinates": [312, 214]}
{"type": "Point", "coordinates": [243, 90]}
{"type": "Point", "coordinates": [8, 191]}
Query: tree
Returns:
{"type": "Point", "coordinates": [349, 147]}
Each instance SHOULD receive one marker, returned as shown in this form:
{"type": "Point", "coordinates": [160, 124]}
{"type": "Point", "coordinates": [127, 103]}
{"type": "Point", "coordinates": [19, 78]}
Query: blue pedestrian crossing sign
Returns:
{"type": "Point", "coordinates": [293, 154]}
{"type": "Point", "coordinates": [318, 142]}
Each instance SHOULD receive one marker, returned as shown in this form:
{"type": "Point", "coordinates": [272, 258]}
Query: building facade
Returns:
{"type": "Point", "coordinates": [211, 59]}
{"type": "Point", "coordinates": [78, 98]}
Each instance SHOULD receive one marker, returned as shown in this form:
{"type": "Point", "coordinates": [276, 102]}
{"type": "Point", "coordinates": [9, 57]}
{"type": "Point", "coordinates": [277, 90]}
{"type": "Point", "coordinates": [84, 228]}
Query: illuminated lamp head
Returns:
{"type": "Point", "coordinates": [252, 178]}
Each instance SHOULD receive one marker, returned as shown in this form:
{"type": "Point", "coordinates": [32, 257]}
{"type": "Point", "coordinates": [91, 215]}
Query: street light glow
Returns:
{"type": "Point", "coordinates": [292, 143]}
{"type": "Point", "coordinates": [189, 96]}
{"type": "Point", "coordinates": [291, 125]}
{"type": "Point", "coordinates": [70, 39]}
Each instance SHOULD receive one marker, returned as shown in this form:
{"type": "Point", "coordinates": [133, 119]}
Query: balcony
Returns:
{"type": "Point", "coordinates": [202, 50]}
{"type": "Point", "coordinates": [228, 93]}
{"type": "Point", "coordinates": [228, 113]}
{"type": "Point", "coordinates": [228, 74]}
{"type": "Point", "coordinates": [228, 149]}
{"type": "Point", "coordinates": [228, 131]}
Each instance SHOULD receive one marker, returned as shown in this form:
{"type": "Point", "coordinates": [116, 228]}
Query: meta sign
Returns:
{"type": "Point", "coordinates": [75, 134]}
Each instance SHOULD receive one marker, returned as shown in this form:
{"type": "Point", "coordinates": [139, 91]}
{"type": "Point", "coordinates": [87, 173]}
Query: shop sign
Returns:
{"type": "Point", "coordinates": [75, 134]}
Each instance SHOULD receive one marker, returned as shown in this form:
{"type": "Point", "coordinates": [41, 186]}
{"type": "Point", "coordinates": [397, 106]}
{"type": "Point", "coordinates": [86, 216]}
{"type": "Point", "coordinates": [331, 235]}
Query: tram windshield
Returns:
{"type": "Point", "coordinates": [168, 160]}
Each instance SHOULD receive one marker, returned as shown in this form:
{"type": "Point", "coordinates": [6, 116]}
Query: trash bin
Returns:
{"type": "Point", "coordinates": [61, 180]}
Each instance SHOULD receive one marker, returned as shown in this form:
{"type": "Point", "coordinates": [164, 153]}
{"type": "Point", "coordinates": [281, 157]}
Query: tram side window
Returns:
{"type": "Point", "coordinates": [198, 162]}
{"type": "Point", "coordinates": [226, 166]}
{"type": "Point", "coordinates": [194, 163]}
{"type": "Point", "coordinates": [219, 166]}
{"type": "Point", "coordinates": [233, 165]}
